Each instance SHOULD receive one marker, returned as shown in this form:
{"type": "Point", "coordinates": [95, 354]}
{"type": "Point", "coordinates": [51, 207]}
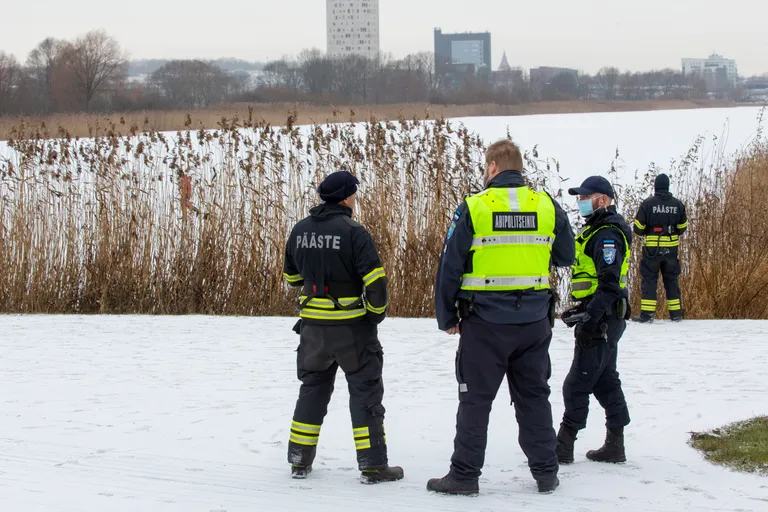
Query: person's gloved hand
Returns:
{"type": "Point", "coordinates": [572, 317]}
{"type": "Point", "coordinates": [590, 334]}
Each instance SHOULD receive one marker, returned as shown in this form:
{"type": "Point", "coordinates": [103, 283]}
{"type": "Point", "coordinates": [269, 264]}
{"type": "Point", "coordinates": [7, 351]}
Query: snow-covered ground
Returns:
{"type": "Point", "coordinates": [192, 414]}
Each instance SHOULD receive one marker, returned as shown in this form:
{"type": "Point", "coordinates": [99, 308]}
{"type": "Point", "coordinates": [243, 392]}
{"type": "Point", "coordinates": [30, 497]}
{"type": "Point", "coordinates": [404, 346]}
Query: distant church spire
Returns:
{"type": "Point", "coordinates": [504, 66]}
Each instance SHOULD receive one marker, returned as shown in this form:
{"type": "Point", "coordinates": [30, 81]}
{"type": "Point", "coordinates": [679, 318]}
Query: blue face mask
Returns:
{"type": "Point", "coordinates": [585, 207]}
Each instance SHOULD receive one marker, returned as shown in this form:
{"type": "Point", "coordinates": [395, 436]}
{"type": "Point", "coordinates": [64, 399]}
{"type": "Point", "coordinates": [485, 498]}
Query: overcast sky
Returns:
{"type": "Point", "coordinates": [585, 34]}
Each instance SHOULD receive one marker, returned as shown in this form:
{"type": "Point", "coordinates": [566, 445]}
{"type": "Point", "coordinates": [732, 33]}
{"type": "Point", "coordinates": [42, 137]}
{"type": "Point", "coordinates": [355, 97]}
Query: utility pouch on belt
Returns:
{"type": "Point", "coordinates": [466, 307]}
{"type": "Point", "coordinates": [621, 308]}
{"type": "Point", "coordinates": [552, 313]}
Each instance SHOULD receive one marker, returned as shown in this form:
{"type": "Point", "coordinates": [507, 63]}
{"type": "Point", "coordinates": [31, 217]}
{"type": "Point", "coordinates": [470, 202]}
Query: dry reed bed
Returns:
{"type": "Point", "coordinates": [196, 221]}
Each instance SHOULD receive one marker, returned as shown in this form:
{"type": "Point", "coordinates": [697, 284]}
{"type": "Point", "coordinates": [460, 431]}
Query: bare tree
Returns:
{"type": "Point", "coordinates": [41, 66]}
{"type": "Point", "coordinates": [350, 77]}
{"type": "Point", "coordinates": [97, 61]}
{"type": "Point", "coordinates": [428, 65]}
{"type": "Point", "coordinates": [608, 78]}
{"type": "Point", "coordinates": [317, 71]}
{"type": "Point", "coordinates": [9, 77]}
{"type": "Point", "coordinates": [280, 74]}
{"type": "Point", "coordinates": [191, 83]}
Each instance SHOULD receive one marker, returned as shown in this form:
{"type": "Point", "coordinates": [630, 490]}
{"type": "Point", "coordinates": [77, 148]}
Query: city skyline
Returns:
{"type": "Point", "coordinates": [587, 36]}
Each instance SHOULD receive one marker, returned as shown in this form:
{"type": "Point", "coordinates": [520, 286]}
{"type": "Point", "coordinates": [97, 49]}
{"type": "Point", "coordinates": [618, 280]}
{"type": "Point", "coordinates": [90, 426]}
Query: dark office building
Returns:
{"type": "Point", "coordinates": [462, 53]}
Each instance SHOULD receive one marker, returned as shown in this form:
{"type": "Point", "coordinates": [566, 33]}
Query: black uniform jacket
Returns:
{"type": "Point", "coordinates": [331, 256]}
{"type": "Point", "coordinates": [661, 215]}
{"type": "Point", "coordinates": [607, 249]}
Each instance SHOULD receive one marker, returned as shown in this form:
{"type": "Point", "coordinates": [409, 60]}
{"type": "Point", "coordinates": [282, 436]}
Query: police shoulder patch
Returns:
{"type": "Point", "coordinates": [451, 230]}
{"type": "Point", "coordinates": [609, 253]}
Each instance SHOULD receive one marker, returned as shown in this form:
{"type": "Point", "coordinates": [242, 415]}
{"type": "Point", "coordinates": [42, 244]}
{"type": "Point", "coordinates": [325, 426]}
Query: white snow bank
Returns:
{"type": "Point", "coordinates": [192, 414]}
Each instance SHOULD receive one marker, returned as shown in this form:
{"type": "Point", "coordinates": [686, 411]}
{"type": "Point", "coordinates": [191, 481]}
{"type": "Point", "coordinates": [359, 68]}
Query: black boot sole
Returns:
{"type": "Point", "coordinates": [550, 490]}
{"type": "Point", "coordinates": [608, 461]}
{"type": "Point", "coordinates": [300, 475]}
{"type": "Point", "coordinates": [456, 492]}
{"type": "Point", "coordinates": [372, 479]}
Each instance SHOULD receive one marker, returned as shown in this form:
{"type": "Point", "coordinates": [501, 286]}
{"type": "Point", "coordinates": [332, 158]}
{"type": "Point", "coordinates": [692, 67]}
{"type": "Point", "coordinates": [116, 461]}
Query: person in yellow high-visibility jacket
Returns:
{"type": "Point", "coordinates": [496, 264]}
{"type": "Point", "coordinates": [599, 286]}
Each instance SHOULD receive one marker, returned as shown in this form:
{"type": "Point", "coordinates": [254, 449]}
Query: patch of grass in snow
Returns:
{"type": "Point", "coordinates": [742, 446]}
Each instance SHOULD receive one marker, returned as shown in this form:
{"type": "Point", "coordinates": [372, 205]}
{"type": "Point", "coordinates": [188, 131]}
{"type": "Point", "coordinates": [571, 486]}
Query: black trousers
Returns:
{"type": "Point", "coordinates": [322, 350]}
{"type": "Point", "coordinates": [664, 259]}
{"type": "Point", "coordinates": [487, 352]}
{"type": "Point", "coordinates": [594, 371]}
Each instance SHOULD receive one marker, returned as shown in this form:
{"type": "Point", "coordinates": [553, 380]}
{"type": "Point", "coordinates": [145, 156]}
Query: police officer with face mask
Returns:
{"type": "Point", "coordinates": [661, 219]}
{"type": "Point", "coordinates": [598, 284]}
{"type": "Point", "coordinates": [344, 298]}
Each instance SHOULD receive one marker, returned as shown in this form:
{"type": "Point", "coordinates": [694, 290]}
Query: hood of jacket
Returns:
{"type": "Point", "coordinates": [327, 211]}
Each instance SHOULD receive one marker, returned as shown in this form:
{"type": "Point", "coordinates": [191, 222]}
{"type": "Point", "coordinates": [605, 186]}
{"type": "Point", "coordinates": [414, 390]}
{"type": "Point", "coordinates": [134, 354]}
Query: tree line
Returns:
{"type": "Point", "coordinates": [91, 73]}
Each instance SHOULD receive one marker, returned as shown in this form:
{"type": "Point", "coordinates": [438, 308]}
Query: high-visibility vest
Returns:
{"type": "Point", "coordinates": [584, 272]}
{"type": "Point", "coordinates": [514, 229]}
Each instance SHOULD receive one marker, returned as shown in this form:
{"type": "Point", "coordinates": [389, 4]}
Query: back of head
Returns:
{"type": "Point", "coordinates": [661, 183]}
{"type": "Point", "coordinates": [338, 186]}
{"type": "Point", "coordinates": [506, 154]}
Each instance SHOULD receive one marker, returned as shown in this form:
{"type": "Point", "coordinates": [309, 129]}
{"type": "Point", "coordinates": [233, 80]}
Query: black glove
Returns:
{"type": "Point", "coordinates": [573, 316]}
{"type": "Point", "coordinates": [588, 335]}
{"type": "Point", "coordinates": [297, 327]}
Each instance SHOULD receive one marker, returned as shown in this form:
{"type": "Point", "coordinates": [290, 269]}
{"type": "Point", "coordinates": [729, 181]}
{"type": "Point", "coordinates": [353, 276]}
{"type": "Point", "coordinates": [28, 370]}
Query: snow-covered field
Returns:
{"type": "Point", "coordinates": [192, 414]}
{"type": "Point", "coordinates": [586, 143]}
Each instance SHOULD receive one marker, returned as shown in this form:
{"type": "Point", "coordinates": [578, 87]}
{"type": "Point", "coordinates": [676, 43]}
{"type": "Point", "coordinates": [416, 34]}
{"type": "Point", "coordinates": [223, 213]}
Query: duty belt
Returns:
{"type": "Point", "coordinates": [324, 306]}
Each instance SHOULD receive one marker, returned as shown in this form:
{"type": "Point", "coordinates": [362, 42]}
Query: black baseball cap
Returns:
{"type": "Point", "coordinates": [593, 185]}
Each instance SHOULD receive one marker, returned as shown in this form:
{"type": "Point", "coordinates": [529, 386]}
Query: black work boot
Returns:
{"type": "Point", "coordinates": [298, 471]}
{"type": "Point", "coordinates": [376, 476]}
{"type": "Point", "coordinates": [548, 483]}
{"type": "Point", "coordinates": [676, 316]}
{"type": "Point", "coordinates": [566, 437]}
{"type": "Point", "coordinates": [644, 318]}
{"type": "Point", "coordinates": [301, 458]}
{"type": "Point", "coordinates": [451, 485]}
{"type": "Point", "coordinates": [613, 448]}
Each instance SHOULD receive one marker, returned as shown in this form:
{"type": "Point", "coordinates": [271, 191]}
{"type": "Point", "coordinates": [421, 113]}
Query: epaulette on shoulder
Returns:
{"type": "Point", "coordinates": [352, 222]}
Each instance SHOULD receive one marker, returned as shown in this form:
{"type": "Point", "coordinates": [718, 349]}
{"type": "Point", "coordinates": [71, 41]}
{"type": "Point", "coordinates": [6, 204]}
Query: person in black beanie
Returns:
{"type": "Point", "coordinates": [344, 297]}
{"type": "Point", "coordinates": [661, 219]}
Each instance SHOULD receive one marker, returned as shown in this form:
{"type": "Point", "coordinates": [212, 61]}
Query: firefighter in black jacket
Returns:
{"type": "Point", "coordinates": [599, 284]}
{"type": "Point", "coordinates": [343, 299]}
{"type": "Point", "coordinates": [661, 219]}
